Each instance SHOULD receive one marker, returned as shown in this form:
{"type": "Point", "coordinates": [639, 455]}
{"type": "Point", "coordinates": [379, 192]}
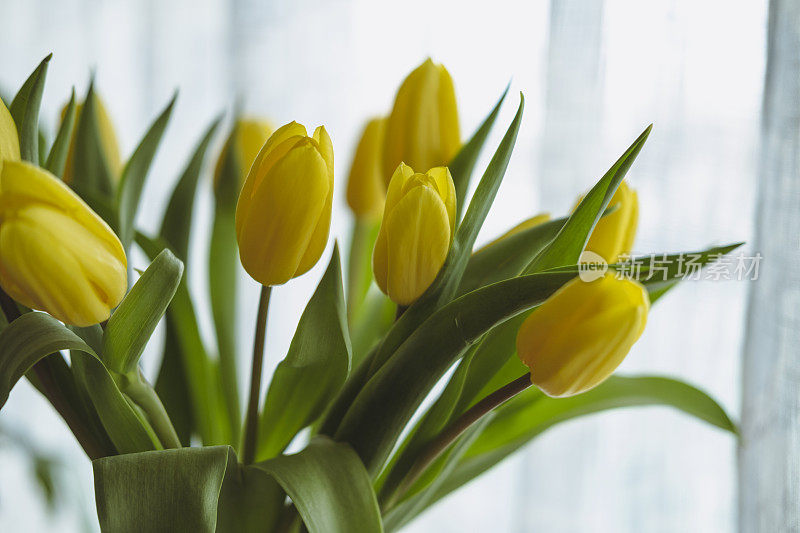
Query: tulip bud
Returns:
{"type": "Point", "coordinates": [284, 210]}
{"type": "Point", "coordinates": [416, 232]}
{"type": "Point", "coordinates": [248, 136]}
{"type": "Point", "coordinates": [56, 254]}
{"type": "Point", "coordinates": [581, 334]}
{"type": "Point", "coordinates": [366, 186]}
{"type": "Point", "coordinates": [614, 233]}
{"type": "Point", "coordinates": [9, 140]}
{"type": "Point", "coordinates": [108, 139]}
{"type": "Point", "coordinates": [422, 130]}
{"type": "Point", "coordinates": [522, 226]}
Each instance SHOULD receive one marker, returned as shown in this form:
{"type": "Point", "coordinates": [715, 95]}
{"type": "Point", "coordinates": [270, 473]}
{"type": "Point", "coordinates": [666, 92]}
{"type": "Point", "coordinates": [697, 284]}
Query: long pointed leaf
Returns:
{"type": "Point", "coordinates": [315, 368]}
{"type": "Point", "coordinates": [24, 110]}
{"type": "Point", "coordinates": [91, 175]}
{"type": "Point", "coordinates": [57, 159]}
{"type": "Point", "coordinates": [135, 173]}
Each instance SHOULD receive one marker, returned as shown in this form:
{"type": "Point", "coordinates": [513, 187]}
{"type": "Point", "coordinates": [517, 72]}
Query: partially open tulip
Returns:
{"type": "Point", "coordinates": [247, 138]}
{"type": "Point", "coordinates": [108, 139]}
{"type": "Point", "coordinates": [9, 140]}
{"type": "Point", "coordinates": [284, 210]}
{"type": "Point", "coordinates": [56, 254]}
{"type": "Point", "coordinates": [582, 333]}
{"type": "Point", "coordinates": [416, 232]}
{"type": "Point", "coordinates": [366, 186]}
{"type": "Point", "coordinates": [422, 130]}
{"type": "Point", "coordinates": [614, 233]}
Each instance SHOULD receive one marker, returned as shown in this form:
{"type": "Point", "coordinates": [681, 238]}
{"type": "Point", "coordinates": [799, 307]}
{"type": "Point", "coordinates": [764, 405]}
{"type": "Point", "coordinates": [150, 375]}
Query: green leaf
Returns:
{"type": "Point", "coordinates": [34, 336]}
{"type": "Point", "coordinates": [199, 375]}
{"type": "Point", "coordinates": [57, 159]}
{"type": "Point", "coordinates": [507, 257]}
{"type": "Point", "coordinates": [134, 175]}
{"type": "Point", "coordinates": [315, 368]}
{"type": "Point", "coordinates": [386, 403]}
{"type": "Point", "coordinates": [130, 327]}
{"type": "Point", "coordinates": [446, 283]}
{"type": "Point", "coordinates": [169, 490]}
{"type": "Point", "coordinates": [329, 486]}
{"type": "Point", "coordinates": [91, 176]}
{"type": "Point", "coordinates": [532, 412]}
{"type": "Point", "coordinates": [359, 263]}
{"type": "Point", "coordinates": [24, 110]}
{"type": "Point", "coordinates": [223, 272]}
{"type": "Point", "coordinates": [177, 222]}
{"type": "Point", "coordinates": [398, 516]}
{"type": "Point", "coordinates": [568, 245]}
{"type": "Point", "coordinates": [463, 163]}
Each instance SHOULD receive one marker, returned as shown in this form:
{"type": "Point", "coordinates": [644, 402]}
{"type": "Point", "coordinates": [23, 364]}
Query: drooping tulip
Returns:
{"type": "Point", "coordinates": [422, 130]}
{"type": "Point", "coordinates": [581, 334]}
{"type": "Point", "coordinates": [284, 211]}
{"type": "Point", "coordinates": [56, 254]}
{"type": "Point", "coordinates": [416, 232]}
{"type": "Point", "coordinates": [366, 185]}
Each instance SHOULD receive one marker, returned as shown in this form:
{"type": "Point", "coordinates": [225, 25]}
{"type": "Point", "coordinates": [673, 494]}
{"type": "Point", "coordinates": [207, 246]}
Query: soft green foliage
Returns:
{"type": "Point", "coordinates": [90, 170]}
{"type": "Point", "coordinates": [315, 368]}
{"type": "Point", "coordinates": [364, 396]}
{"type": "Point", "coordinates": [134, 321]}
{"type": "Point", "coordinates": [24, 109]}
{"type": "Point", "coordinates": [57, 158]}
{"type": "Point", "coordinates": [198, 490]}
{"type": "Point", "coordinates": [133, 176]}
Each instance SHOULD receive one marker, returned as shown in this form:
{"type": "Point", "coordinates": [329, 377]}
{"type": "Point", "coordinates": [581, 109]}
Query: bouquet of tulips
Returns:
{"type": "Point", "coordinates": [523, 333]}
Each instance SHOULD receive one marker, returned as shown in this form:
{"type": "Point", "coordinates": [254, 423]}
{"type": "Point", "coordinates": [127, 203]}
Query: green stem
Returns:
{"type": "Point", "coordinates": [251, 419]}
{"type": "Point", "coordinates": [359, 263]}
{"type": "Point", "coordinates": [143, 395]}
{"type": "Point", "coordinates": [396, 486]}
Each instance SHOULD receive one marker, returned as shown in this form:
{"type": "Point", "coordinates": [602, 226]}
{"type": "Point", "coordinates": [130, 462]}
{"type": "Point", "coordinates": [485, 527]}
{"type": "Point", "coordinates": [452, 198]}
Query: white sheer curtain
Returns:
{"type": "Point", "coordinates": [594, 74]}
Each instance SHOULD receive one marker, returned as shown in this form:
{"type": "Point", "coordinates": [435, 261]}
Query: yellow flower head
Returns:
{"type": "Point", "coordinates": [366, 186]}
{"type": "Point", "coordinates": [614, 233]}
{"type": "Point", "coordinates": [582, 333]}
{"type": "Point", "coordinates": [56, 254]}
{"type": "Point", "coordinates": [248, 136]}
{"type": "Point", "coordinates": [416, 232]}
{"type": "Point", "coordinates": [108, 139]}
{"type": "Point", "coordinates": [422, 130]}
{"type": "Point", "coordinates": [9, 139]}
{"type": "Point", "coordinates": [284, 210]}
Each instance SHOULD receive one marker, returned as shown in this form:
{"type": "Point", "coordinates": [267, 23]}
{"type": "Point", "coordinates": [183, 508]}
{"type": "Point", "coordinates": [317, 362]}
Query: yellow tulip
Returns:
{"type": "Point", "coordinates": [416, 232]}
{"type": "Point", "coordinates": [108, 139]}
{"type": "Point", "coordinates": [248, 136]}
{"type": "Point", "coordinates": [614, 233]}
{"type": "Point", "coordinates": [9, 140]}
{"type": "Point", "coordinates": [582, 333]}
{"type": "Point", "coordinates": [284, 210]}
{"type": "Point", "coordinates": [522, 226]}
{"type": "Point", "coordinates": [422, 130]}
{"type": "Point", "coordinates": [366, 186]}
{"type": "Point", "coordinates": [56, 254]}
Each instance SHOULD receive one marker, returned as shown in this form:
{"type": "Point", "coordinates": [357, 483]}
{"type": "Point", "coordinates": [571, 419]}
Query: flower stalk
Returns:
{"type": "Point", "coordinates": [395, 488]}
{"type": "Point", "coordinates": [251, 418]}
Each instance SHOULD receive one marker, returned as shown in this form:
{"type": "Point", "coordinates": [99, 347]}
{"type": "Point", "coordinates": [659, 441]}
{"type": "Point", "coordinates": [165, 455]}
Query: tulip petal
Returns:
{"type": "Point", "coordinates": [417, 242]}
{"type": "Point", "coordinates": [279, 222]}
{"type": "Point", "coordinates": [9, 138]}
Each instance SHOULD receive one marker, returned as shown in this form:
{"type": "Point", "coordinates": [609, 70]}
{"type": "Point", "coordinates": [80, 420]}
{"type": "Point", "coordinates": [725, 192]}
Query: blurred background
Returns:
{"type": "Point", "coordinates": [594, 73]}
